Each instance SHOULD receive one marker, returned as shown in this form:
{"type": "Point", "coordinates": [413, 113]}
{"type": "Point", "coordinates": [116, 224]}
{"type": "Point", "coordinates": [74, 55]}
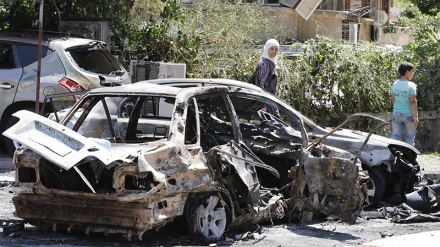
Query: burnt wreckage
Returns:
{"type": "Point", "coordinates": [133, 158]}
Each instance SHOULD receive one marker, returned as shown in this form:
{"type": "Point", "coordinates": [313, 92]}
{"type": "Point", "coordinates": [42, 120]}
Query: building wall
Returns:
{"type": "Point", "coordinates": [329, 23]}
{"type": "Point", "coordinates": [400, 37]}
{"type": "Point", "coordinates": [321, 22]}
{"type": "Point", "coordinates": [366, 29]}
{"type": "Point", "coordinates": [287, 19]}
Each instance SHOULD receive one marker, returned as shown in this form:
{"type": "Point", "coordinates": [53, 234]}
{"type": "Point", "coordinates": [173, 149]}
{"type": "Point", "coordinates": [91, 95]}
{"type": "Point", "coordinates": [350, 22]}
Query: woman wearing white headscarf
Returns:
{"type": "Point", "coordinates": [267, 75]}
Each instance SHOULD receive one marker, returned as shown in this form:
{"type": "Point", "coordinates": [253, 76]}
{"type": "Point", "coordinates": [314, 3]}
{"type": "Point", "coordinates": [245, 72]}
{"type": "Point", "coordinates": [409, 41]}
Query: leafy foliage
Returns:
{"type": "Point", "coordinates": [429, 7]}
{"type": "Point", "coordinates": [425, 55]}
{"type": "Point", "coordinates": [401, 3]}
{"type": "Point", "coordinates": [18, 14]}
{"type": "Point", "coordinates": [351, 78]}
{"type": "Point", "coordinates": [155, 38]}
{"type": "Point", "coordinates": [229, 33]}
{"type": "Point", "coordinates": [224, 39]}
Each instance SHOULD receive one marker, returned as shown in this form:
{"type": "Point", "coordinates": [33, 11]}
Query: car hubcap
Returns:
{"type": "Point", "coordinates": [211, 220]}
{"type": "Point", "coordinates": [371, 189]}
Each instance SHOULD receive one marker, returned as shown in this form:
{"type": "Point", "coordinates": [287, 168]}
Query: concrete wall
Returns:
{"type": "Point", "coordinates": [400, 37]}
{"type": "Point", "coordinates": [427, 136]}
{"type": "Point", "coordinates": [286, 19]}
{"type": "Point", "coordinates": [96, 30]}
{"type": "Point", "coordinates": [321, 22]}
{"type": "Point", "coordinates": [329, 23]}
{"type": "Point", "coordinates": [366, 29]}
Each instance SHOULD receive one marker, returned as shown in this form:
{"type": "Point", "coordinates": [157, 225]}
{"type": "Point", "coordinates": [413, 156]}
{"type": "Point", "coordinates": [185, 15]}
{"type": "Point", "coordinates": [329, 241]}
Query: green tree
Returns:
{"type": "Point", "coordinates": [425, 54]}
{"type": "Point", "coordinates": [225, 39]}
{"type": "Point", "coordinates": [17, 15]}
{"type": "Point", "coordinates": [231, 37]}
{"type": "Point", "coordinates": [351, 78]}
{"type": "Point", "coordinates": [429, 7]}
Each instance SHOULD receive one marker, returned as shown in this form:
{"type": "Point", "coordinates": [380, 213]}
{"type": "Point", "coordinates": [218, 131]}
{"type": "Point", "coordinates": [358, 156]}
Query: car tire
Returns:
{"type": "Point", "coordinates": [10, 144]}
{"type": "Point", "coordinates": [209, 217]}
{"type": "Point", "coordinates": [377, 176]}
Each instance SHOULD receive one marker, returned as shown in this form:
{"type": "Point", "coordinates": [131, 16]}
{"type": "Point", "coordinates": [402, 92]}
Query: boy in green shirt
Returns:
{"type": "Point", "coordinates": [403, 98]}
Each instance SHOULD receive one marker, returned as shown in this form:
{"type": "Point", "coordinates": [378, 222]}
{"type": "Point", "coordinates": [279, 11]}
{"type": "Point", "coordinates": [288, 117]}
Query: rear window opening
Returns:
{"type": "Point", "coordinates": [97, 175]}
{"type": "Point", "coordinates": [97, 61]}
{"type": "Point", "coordinates": [132, 119]}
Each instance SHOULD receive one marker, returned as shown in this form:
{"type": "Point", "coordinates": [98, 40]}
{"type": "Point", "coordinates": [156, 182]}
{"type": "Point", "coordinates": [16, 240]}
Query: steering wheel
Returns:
{"type": "Point", "coordinates": [207, 141]}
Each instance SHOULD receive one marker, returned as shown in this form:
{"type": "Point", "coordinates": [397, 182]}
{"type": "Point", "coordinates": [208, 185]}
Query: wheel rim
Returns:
{"type": "Point", "coordinates": [211, 220]}
{"type": "Point", "coordinates": [371, 190]}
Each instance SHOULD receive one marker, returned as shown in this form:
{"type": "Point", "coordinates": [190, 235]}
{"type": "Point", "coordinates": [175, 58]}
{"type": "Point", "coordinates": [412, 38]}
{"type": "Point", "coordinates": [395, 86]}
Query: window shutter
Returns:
{"type": "Point", "coordinates": [305, 8]}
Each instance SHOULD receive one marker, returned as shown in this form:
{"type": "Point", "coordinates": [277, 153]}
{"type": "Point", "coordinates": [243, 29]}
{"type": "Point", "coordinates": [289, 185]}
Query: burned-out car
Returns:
{"type": "Point", "coordinates": [392, 165]}
{"type": "Point", "coordinates": [133, 158]}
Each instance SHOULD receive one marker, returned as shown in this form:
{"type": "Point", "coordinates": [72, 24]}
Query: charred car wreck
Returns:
{"type": "Point", "coordinates": [133, 158]}
{"type": "Point", "coordinates": [392, 165]}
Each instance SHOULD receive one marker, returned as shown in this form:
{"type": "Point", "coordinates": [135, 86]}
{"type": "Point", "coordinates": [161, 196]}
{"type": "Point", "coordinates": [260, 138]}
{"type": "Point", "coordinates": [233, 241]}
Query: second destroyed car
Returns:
{"type": "Point", "coordinates": [392, 165]}
{"type": "Point", "coordinates": [133, 158]}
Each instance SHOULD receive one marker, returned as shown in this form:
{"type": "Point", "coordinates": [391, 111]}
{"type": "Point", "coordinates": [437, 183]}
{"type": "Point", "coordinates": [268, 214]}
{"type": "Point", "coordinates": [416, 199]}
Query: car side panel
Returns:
{"type": "Point", "coordinates": [51, 72]}
{"type": "Point", "coordinates": [9, 83]}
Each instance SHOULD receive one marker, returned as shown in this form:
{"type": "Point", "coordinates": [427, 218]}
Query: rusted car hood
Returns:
{"type": "Point", "coordinates": [352, 140]}
{"type": "Point", "coordinates": [59, 144]}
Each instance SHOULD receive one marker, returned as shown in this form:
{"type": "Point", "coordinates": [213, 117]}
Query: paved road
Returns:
{"type": "Point", "coordinates": [6, 163]}
{"type": "Point", "coordinates": [5, 167]}
{"type": "Point", "coordinates": [365, 233]}
{"type": "Point", "coordinates": [429, 239]}
{"type": "Point", "coordinates": [5, 160]}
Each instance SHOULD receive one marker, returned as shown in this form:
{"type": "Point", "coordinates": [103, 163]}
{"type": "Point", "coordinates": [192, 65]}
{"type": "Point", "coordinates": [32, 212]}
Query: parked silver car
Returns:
{"type": "Point", "coordinates": [134, 158]}
{"type": "Point", "coordinates": [67, 65]}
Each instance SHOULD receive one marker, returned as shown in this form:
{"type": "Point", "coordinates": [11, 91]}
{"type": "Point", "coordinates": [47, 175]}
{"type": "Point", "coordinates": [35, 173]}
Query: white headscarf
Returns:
{"type": "Point", "coordinates": [269, 44]}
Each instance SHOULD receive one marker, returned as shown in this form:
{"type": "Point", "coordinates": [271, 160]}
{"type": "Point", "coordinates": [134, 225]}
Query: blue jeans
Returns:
{"type": "Point", "coordinates": [400, 123]}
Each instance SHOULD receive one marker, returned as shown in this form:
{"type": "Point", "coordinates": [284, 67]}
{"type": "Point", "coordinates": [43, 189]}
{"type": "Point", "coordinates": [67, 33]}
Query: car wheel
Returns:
{"type": "Point", "coordinates": [377, 176]}
{"type": "Point", "coordinates": [209, 218]}
{"type": "Point", "coordinates": [10, 144]}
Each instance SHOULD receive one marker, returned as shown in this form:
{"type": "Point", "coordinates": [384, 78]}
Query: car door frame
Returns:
{"type": "Point", "coordinates": [9, 83]}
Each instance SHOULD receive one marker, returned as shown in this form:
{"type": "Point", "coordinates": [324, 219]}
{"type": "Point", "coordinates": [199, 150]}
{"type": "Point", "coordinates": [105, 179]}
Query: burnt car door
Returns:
{"type": "Point", "coordinates": [232, 163]}
{"type": "Point", "coordinates": [322, 180]}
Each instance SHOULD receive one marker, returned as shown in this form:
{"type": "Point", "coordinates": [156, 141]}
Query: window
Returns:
{"type": "Point", "coordinates": [6, 56]}
{"type": "Point", "coordinates": [351, 32]}
{"type": "Point", "coordinates": [271, 2]}
{"type": "Point", "coordinates": [96, 124]}
{"type": "Point", "coordinates": [97, 61]}
{"type": "Point", "coordinates": [255, 121]}
{"type": "Point", "coordinates": [125, 119]}
{"type": "Point", "coordinates": [305, 8]}
{"type": "Point", "coordinates": [274, 140]}
{"type": "Point", "coordinates": [29, 53]}
{"type": "Point", "coordinates": [215, 121]}
{"type": "Point", "coordinates": [191, 132]}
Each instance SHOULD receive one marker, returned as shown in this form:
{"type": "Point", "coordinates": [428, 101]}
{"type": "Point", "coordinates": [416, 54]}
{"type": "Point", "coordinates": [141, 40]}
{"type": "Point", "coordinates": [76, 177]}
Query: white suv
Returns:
{"type": "Point", "coordinates": [67, 65]}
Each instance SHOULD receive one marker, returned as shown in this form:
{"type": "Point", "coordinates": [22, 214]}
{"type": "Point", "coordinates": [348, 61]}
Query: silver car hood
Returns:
{"type": "Point", "coordinates": [57, 143]}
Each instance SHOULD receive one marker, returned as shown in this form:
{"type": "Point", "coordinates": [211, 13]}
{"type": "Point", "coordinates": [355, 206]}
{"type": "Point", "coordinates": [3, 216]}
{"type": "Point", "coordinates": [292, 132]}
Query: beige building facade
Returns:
{"type": "Point", "coordinates": [352, 20]}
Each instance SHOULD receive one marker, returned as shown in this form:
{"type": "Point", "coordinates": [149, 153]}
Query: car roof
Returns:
{"type": "Point", "coordinates": [172, 85]}
{"type": "Point", "coordinates": [137, 88]}
{"type": "Point", "coordinates": [191, 82]}
{"type": "Point", "coordinates": [47, 39]}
